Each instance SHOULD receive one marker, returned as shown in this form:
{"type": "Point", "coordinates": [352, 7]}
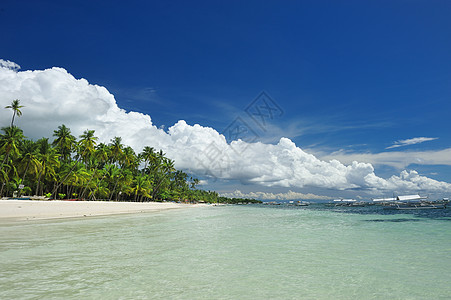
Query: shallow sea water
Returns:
{"type": "Point", "coordinates": [231, 252]}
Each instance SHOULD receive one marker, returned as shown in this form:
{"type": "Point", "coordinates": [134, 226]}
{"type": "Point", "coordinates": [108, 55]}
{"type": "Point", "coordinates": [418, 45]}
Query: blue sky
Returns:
{"type": "Point", "coordinates": [351, 77]}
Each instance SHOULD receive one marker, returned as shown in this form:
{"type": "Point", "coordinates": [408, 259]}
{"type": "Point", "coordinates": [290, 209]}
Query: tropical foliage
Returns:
{"type": "Point", "coordinates": [68, 168]}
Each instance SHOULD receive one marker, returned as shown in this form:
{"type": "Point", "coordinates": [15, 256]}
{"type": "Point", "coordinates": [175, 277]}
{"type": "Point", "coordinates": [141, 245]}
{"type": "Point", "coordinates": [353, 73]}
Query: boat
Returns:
{"type": "Point", "coordinates": [345, 202]}
{"type": "Point", "coordinates": [348, 203]}
{"type": "Point", "coordinates": [411, 202]}
{"type": "Point", "coordinates": [272, 203]}
{"type": "Point", "coordinates": [415, 206]}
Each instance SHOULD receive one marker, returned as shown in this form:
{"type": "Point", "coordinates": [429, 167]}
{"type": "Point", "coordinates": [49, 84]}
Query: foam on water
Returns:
{"type": "Point", "coordinates": [230, 252]}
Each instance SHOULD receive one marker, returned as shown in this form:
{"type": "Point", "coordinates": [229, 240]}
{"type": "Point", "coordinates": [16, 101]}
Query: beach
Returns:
{"type": "Point", "coordinates": [17, 210]}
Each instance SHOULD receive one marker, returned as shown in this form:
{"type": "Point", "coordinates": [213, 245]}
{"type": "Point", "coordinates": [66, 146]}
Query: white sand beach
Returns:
{"type": "Point", "coordinates": [37, 210]}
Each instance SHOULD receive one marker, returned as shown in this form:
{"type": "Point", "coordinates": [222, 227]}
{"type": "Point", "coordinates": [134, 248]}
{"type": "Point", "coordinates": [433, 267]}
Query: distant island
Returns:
{"type": "Point", "coordinates": [83, 169]}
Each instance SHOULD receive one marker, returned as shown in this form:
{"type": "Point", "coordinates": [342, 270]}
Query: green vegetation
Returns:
{"type": "Point", "coordinates": [68, 168]}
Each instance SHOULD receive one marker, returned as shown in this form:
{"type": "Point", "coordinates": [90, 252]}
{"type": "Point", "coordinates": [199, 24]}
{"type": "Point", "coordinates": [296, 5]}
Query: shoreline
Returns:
{"type": "Point", "coordinates": [28, 210]}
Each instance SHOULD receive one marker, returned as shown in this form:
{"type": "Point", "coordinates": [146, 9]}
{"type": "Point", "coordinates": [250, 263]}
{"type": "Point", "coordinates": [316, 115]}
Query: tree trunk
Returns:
{"type": "Point", "coordinates": [12, 121]}
{"type": "Point", "coordinates": [97, 187]}
{"type": "Point", "coordinates": [26, 170]}
{"type": "Point", "coordinates": [86, 187]}
{"type": "Point", "coordinates": [1, 190]}
{"type": "Point", "coordinates": [114, 189]}
{"type": "Point", "coordinates": [70, 171]}
{"type": "Point", "coordinates": [39, 181]}
{"type": "Point", "coordinates": [3, 163]}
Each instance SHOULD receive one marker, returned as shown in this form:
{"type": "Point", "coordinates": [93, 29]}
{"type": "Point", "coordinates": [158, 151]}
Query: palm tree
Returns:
{"type": "Point", "coordinates": [49, 162]}
{"type": "Point", "coordinates": [141, 186]}
{"type": "Point", "coordinates": [148, 155]}
{"type": "Point", "coordinates": [106, 171]}
{"type": "Point", "coordinates": [114, 175]}
{"type": "Point", "coordinates": [130, 160]}
{"type": "Point", "coordinates": [102, 153]}
{"type": "Point", "coordinates": [64, 142]}
{"type": "Point", "coordinates": [116, 150]}
{"type": "Point", "coordinates": [103, 173]}
{"type": "Point", "coordinates": [161, 172]}
{"type": "Point", "coordinates": [125, 184]}
{"type": "Point", "coordinates": [78, 177]}
{"type": "Point", "coordinates": [97, 162]}
{"type": "Point", "coordinates": [29, 150]}
{"type": "Point", "coordinates": [194, 182]}
{"type": "Point", "coordinates": [4, 178]}
{"type": "Point", "coordinates": [10, 142]}
{"type": "Point", "coordinates": [87, 143]}
{"type": "Point", "coordinates": [15, 106]}
{"type": "Point", "coordinates": [179, 184]}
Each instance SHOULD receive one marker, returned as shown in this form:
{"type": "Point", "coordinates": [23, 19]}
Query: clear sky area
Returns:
{"type": "Point", "coordinates": [270, 99]}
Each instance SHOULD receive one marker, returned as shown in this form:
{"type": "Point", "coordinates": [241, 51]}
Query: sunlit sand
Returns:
{"type": "Point", "coordinates": [35, 210]}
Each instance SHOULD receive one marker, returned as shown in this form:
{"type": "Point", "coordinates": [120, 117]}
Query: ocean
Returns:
{"type": "Point", "coordinates": [231, 252]}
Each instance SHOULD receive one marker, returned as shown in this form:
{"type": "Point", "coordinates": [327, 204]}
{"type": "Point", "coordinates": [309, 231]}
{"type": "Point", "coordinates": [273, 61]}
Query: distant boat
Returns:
{"type": "Point", "coordinates": [298, 203]}
{"type": "Point", "coordinates": [414, 206]}
{"type": "Point", "coordinates": [411, 202]}
{"type": "Point", "coordinates": [406, 198]}
{"type": "Point", "coordinates": [349, 203]}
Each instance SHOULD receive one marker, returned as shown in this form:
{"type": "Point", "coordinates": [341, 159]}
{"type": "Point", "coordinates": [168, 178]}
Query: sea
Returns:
{"type": "Point", "coordinates": [231, 252]}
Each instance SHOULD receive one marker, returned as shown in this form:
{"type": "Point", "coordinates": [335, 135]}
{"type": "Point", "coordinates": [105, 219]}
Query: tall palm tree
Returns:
{"type": "Point", "coordinates": [4, 178]}
{"type": "Point", "coordinates": [64, 142]}
{"type": "Point", "coordinates": [102, 153]}
{"type": "Point", "coordinates": [98, 161]}
{"type": "Point", "coordinates": [148, 155]}
{"type": "Point", "coordinates": [119, 158]}
{"type": "Point", "coordinates": [116, 150]}
{"type": "Point", "coordinates": [179, 184]}
{"type": "Point", "coordinates": [114, 175]}
{"type": "Point", "coordinates": [141, 187]}
{"type": "Point", "coordinates": [194, 182]}
{"type": "Point", "coordinates": [161, 173]}
{"type": "Point", "coordinates": [10, 142]}
{"type": "Point", "coordinates": [125, 184]}
{"type": "Point", "coordinates": [15, 106]}
{"type": "Point", "coordinates": [87, 143]}
{"type": "Point", "coordinates": [129, 159]}
{"type": "Point", "coordinates": [78, 177]}
{"type": "Point", "coordinates": [29, 150]}
{"type": "Point", "coordinates": [49, 162]}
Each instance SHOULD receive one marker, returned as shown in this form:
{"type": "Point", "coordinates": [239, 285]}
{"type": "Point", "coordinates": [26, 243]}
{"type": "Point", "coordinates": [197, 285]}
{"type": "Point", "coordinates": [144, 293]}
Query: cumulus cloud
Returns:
{"type": "Point", "coordinates": [290, 195]}
{"type": "Point", "coordinates": [395, 159]}
{"type": "Point", "coordinates": [9, 65]}
{"type": "Point", "coordinates": [409, 142]}
{"type": "Point", "coordinates": [53, 97]}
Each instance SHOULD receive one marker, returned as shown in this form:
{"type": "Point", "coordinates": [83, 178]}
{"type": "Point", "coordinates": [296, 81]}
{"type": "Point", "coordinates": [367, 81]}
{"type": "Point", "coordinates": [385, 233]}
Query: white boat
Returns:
{"type": "Point", "coordinates": [411, 202]}
{"type": "Point", "coordinates": [345, 202]}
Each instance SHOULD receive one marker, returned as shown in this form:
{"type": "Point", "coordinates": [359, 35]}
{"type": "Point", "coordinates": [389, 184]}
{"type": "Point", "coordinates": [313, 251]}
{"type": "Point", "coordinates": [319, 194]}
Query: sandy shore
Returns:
{"type": "Point", "coordinates": [18, 210]}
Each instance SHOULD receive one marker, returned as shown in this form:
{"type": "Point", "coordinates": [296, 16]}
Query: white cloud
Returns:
{"type": "Point", "coordinates": [53, 97]}
{"type": "Point", "coordinates": [9, 65]}
{"type": "Point", "coordinates": [395, 159]}
{"type": "Point", "coordinates": [409, 142]}
{"type": "Point", "coordinates": [290, 195]}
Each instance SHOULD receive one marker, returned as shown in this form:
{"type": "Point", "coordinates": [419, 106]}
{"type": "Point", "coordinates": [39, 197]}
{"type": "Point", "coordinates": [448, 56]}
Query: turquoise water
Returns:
{"type": "Point", "coordinates": [230, 252]}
